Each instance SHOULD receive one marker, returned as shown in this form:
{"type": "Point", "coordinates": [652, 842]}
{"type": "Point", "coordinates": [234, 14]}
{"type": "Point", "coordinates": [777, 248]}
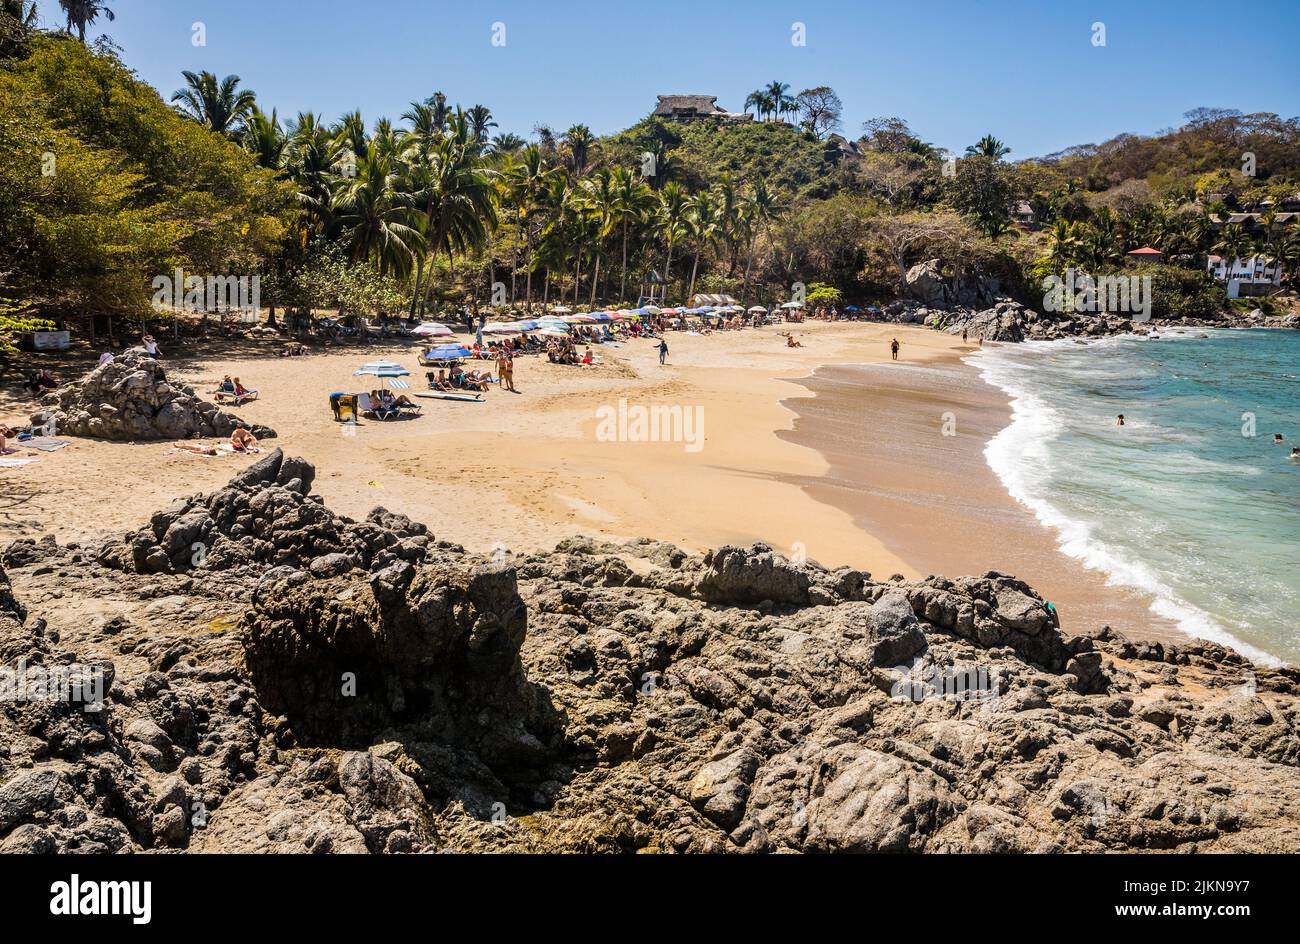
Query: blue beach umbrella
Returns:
{"type": "Point", "coordinates": [448, 352]}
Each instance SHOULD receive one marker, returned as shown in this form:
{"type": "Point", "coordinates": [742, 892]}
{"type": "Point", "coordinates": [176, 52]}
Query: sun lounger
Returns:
{"type": "Point", "coordinates": [378, 411]}
{"type": "Point", "coordinates": [235, 399]}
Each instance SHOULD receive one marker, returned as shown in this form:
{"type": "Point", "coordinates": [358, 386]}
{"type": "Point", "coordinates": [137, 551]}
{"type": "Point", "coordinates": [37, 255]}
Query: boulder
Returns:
{"type": "Point", "coordinates": [130, 399]}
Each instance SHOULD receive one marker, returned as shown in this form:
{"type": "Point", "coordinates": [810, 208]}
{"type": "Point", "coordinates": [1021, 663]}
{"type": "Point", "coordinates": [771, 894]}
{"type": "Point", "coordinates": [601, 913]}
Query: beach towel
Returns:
{"type": "Point", "coordinates": [14, 463]}
{"type": "Point", "coordinates": [45, 443]}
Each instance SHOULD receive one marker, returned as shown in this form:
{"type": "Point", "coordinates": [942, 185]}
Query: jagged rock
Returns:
{"type": "Point", "coordinates": [349, 686]}
{"type": "Point", "coordinates": [129, 399]}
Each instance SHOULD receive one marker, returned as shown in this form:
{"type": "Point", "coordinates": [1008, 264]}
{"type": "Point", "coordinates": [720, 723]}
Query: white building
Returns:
{"type": "Point", "coordinates": [1257, 275]}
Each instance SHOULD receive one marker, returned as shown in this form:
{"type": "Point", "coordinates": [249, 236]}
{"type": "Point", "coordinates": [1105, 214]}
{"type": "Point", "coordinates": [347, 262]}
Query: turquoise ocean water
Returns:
{"type": "Point", "coordinates": [1180, 502]}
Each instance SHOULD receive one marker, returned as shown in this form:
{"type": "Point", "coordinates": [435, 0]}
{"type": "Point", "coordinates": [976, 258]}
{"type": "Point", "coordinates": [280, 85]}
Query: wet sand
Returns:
{"type": "Point", "coordinates": [931, 498]}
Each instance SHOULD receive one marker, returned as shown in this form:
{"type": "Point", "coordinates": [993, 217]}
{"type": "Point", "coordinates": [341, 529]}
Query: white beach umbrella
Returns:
{"type": "Point", "coordinates": [431, 329]}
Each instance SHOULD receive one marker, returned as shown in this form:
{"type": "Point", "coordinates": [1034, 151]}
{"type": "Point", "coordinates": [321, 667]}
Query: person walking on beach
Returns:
{"type": "Point", "coordinates": [663, 350]}
{"type": "Point", "coordinates": [893, 349]}
{"type": "Point", "coordinates": [965, 335]}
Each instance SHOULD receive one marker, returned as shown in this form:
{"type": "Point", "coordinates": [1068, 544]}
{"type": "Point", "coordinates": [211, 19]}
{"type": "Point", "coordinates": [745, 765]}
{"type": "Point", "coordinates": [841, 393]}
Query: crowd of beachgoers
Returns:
{"type": "Point", "coordinates": [452, 358]}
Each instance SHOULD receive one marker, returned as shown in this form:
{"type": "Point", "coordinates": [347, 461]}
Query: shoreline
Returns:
{"type": "Point", "coordinates": [525, 471]}
{"type": "Point", "coordinates": [934, 499]}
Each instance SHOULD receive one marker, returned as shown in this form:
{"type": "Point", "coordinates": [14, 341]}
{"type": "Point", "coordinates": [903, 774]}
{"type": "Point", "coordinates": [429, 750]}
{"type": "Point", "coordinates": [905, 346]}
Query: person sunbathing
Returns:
{"type": "Point", "coordinates": [40, 381]}
{"type": "Point", "coordinates": [198, 450]}
{"type": "Point", "coordinates": [441, 382]}
{"type": "Point", "coordinates": [227, 385]}
{"type": "Point", "coordinates": [241, 440]}
{"type": "Point", "coordinates": [463, 381]}
{"type": "Point", "coordinates": [588, 358]}
{"type": "Point", "coordinates": [239, 389]}
{"type": "Point", "coordinates": [389, 402]}
{"type": "Point", "coordinates": [7, 433]}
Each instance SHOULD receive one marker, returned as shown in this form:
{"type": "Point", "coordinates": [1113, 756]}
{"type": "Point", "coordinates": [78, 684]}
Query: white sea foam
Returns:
{"type": "Point", "coordinates": [1020, 456]}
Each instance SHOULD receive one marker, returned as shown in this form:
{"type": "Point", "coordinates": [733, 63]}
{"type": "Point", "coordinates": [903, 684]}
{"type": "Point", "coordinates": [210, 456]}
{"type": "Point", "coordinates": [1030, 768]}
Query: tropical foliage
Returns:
{"type": "Point", "coordinates": [440, 207]}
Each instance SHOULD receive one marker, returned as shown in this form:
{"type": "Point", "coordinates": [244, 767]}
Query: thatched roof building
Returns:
{"type": "Point", "coordinates": [695, 107]}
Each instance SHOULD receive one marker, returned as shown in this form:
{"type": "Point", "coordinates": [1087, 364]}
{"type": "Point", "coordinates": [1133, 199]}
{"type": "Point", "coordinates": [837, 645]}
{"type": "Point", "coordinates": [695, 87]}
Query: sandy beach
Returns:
{"type": "Point", "coordinates": [523, 471]}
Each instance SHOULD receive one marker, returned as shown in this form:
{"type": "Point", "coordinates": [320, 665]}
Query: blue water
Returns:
{"type": "Point", "coordinates": [1178, 502]}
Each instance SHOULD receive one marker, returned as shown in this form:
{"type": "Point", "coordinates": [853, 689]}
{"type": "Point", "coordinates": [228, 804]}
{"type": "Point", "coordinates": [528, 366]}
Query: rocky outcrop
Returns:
{"type": "Point", "coordinates": [927, 284]}
{"type": "Point", "coordinates": [326, 685]}
{"type": "Point", "coordinates": [130, 399]}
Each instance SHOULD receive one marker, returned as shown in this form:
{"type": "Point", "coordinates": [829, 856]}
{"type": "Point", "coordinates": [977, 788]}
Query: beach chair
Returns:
{"type": "Point", "coordinates": [379, 412]}
{"type": "Point", "coordinates": [413, 409]}
{"type": "Point", "coordinates": [234, 399]}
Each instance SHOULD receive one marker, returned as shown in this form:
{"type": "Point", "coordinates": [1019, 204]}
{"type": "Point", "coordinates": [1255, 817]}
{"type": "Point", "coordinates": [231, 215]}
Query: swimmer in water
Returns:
{"type": "Point", "coordinates": [1277, 439]}
{"type": "Point", "coordinates": [1119, 420]}
{"type": "Point", "coordinates": [1295, 453]}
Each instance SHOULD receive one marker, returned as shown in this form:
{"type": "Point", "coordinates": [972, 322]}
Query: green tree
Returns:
{"type": "Point", "coordinates": [222, 106]}
{"type": "Point", "coordinates": [990, 147]}
{"type": "Point", "coordinates": [83, 13]}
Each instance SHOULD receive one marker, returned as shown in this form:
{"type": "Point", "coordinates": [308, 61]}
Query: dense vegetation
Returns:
{"type": "Point", "coordinates": [104, 186]}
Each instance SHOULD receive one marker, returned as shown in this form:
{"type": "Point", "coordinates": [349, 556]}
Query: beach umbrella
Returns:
{"type": "Point", "coordinates": [561, 309]}
{"type": "Point", "coordinates": [757, 309]}
{"type": "Point", "coordinates": [669, 311]}
{"type": "Point", "coordinates": [652, 310]}
{"type": "Point", "coordinates": [793, 305]}
{"type": "Point", "coordinates": [381, 369]}
{"type": "Point", "coordinates": [553, 332]}
{"type": "Point", "coordinates": [447, 352]}
{"type": "Point", "coordinates": [502, 327]}
{"type": "Point", "coordinates": [585, 319]}
{"type": "Point", "coordinates": [605, 316]}
{"type": "Point", "coordinates": [431, 329]}
{"type": "Point", "coordinates": [851, 308]}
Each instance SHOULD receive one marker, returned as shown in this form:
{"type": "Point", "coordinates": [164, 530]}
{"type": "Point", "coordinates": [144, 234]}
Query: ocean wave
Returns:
{"type": "Point", "coordinates": [1020, 457]}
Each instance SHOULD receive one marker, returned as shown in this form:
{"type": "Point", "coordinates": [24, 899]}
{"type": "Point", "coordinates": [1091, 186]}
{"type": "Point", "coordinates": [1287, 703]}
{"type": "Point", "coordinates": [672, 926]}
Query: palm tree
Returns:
{"type": "Point", "coordinates": [529, 180]}
{"type": "Point", "coordinates": [634, 202]}
{"type": "Point", "coordinates": [579, 145]}
{"type": "Point", "coordinates": [728, 217]}
{"type": "Point", "coordinates": [456, 193]}
{"type": "Point", "coordinates": [83, 13]}
{"type": "Point", "coordinates": [265, 139]}
{"type": "Point", "coordinates": [310, 156]}
{"type": "Point", "coordinates": [701, 227]}
{"type": "Point", "coordinates": [763, 208]}
{"type": "Point", "coordinates": [601, 199]}
{"type": "Point", "coordinates": [375, 217]}
{"type": "Point", "coordinates": [1064, 242]}
{"type": "Point", "coordinates": [988, 146]}
{"type": "Point", "coordinates": [507, 143]}
{"type": "Point", "coordinates": [1232, 244]}
{"type": "Point", "coordinates": [221, 107]}
{"type": "Point", "coordinates": [758, 101]}
{"type": "Point", "coordinates": [671, 216]}
{"type": "Point", "coordinates": [480, 122]}
{"type": "Point", "coordinates": [777, 100]}
{"type": "Point", "coordinates": [1287, 251]}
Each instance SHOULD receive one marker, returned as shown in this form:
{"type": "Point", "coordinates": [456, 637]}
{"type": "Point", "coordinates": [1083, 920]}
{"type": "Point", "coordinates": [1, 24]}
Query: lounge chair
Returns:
{"type": "Point", "coordinates": [378, 411]}
{"type": "Point", "coordinates": [235, 399]}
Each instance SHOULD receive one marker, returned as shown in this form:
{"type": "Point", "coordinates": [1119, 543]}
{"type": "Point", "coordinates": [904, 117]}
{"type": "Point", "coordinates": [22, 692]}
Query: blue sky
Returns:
{"type": "Point", "coordinates": [1026, 70]}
